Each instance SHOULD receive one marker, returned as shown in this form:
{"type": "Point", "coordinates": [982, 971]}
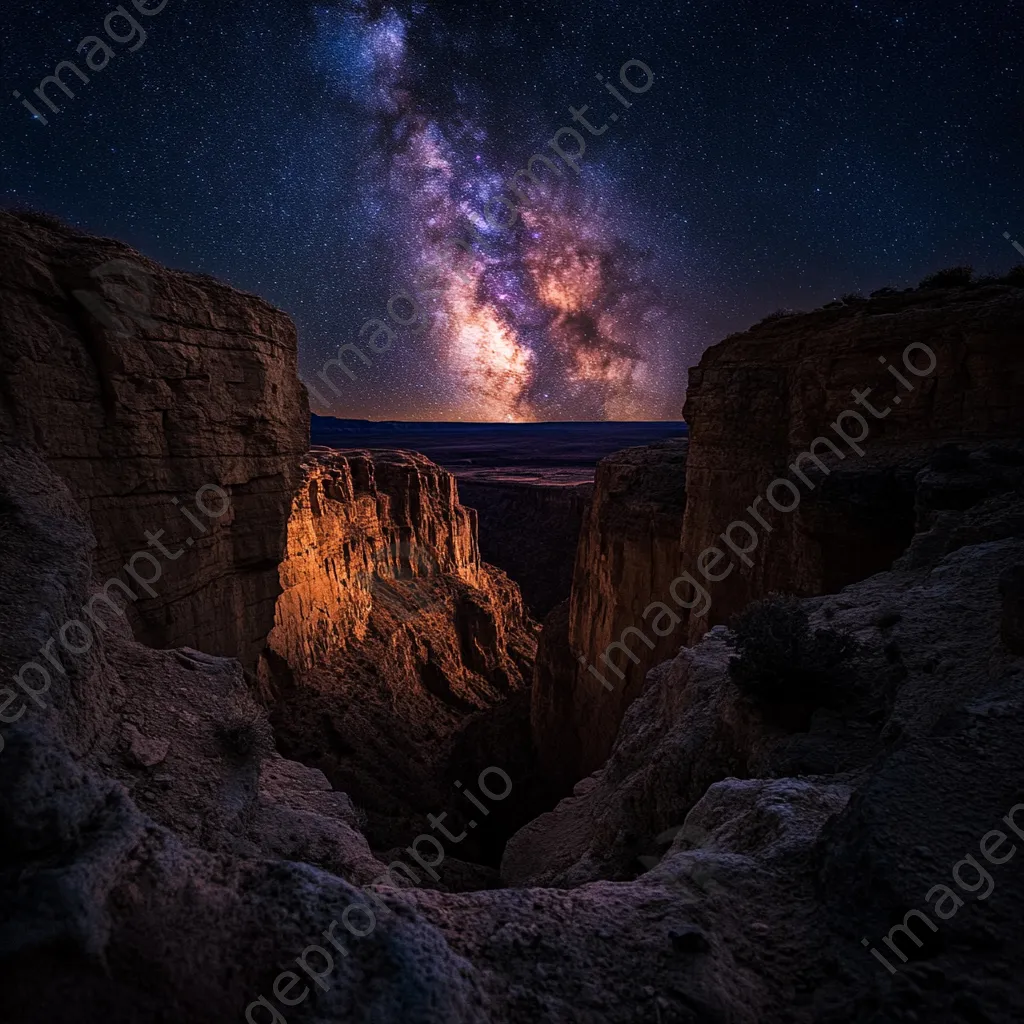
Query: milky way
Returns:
{"type": "Point", "coordinates": [322, 154]}
{"type": "Point", "coordinates": [546, 317]}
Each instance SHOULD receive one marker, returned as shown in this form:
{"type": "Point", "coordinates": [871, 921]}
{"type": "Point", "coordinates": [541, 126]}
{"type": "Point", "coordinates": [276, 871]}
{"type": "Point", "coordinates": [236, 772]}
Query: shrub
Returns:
{"type": "Point", "coordinates": [38, 217]}
{"type": "Point", "coordinates": [853, 298]}
{"type": "Point", "coordinates": [1015, 276]}
{"type": "Point", "coordinates": [883, 292]}
{"type": "Point", "coordinates": [951, 277]}
{"type": "Point", "coordinates": [781, 661]}
{"type": "Point", "coordinates": [243, 733]}
{"type": "Point", "coordinates": [780, 314]}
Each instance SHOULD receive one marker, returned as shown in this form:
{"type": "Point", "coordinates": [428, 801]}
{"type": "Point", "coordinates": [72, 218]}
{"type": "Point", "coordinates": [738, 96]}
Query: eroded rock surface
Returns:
{"type": "Point", "coordinates": [628, 555]}
{"type": "Point", "coordinates": [393, 642]}
{"type": "Point", "coordinates": [142, 385]}
{"type": "Point", "coordinates": [759, 399]}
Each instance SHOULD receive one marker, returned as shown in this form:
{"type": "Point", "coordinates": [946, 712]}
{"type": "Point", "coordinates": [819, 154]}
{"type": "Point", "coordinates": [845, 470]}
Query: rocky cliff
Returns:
{"type": "Point", "coordinates": [843, 407]}
{"type": "Point", "coordinates": [161, 859]}
{"type": "Point", "coordinates": [758, 400]}
{"type": "Point", "coordinates": [391, 636]}
{"type": "Point", "coordinates": [157, 395]}
{"type": "Point", "coordinates": [627, 556]}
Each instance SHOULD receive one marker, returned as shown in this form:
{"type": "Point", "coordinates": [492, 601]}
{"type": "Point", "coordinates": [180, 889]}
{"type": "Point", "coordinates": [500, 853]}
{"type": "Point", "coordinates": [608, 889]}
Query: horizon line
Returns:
{"type": "Point", "coordinates": [488, 423]}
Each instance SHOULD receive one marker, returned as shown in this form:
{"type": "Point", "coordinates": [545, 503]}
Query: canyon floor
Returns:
{"type": "Point", "coordinates": [321, 729]}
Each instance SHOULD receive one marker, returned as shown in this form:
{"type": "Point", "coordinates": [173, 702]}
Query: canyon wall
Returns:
{"type": "Point", "coordinates": [361, 523]}
{"type": "Point", "coordinates": [627, 556]}
{"type": "Point", "coordinates": [531, 531]}
{"type": "Point", "coordinates": [759, 399]}
{"type": "Point", "coordinates": [393, 644]}
{"type": "Point", "coordinates": [154, 394]}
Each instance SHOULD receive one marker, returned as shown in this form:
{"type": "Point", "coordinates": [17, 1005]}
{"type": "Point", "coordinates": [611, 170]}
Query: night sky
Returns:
{"type": "Point", "coordinates": [321, 155]}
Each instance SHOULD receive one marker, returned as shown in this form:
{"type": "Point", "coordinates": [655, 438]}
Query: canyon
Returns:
{"type": "Point", "coordinates": [232, 764]}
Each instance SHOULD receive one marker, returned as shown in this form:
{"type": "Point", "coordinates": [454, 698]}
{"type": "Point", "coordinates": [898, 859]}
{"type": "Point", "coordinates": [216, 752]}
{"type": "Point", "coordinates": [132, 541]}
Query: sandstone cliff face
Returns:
{"type": "Point", "coordinates": [141, 385]}
{"type": "Point", "coordinates": [627, 556]}
{"type": "Point", "coordinates": [361, 523]}
{"type": "Point", "coordinates": [758, 399]}
{"type": "Point", "coordinates": [391, 636]}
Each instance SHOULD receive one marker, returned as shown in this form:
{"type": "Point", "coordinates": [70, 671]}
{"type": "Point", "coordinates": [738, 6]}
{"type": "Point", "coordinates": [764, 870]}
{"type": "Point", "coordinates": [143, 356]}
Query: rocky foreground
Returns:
{"type": "Point", "coordinates": [173, 847]}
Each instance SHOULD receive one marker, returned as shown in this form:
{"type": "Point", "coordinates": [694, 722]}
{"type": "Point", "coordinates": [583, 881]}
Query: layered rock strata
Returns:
{"type": "Point", "coordinates": [758, 400]}
{"type": "Point", "coordinates": [391, 636]}
{"type": "Point", "coordinates": [153, 393]}
{"type": "Point", "coordinates": [627, 556]}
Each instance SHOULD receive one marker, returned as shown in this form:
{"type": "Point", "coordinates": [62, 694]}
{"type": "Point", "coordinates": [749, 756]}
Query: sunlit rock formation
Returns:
{"type": "Point", "coordinates": [391, 635]}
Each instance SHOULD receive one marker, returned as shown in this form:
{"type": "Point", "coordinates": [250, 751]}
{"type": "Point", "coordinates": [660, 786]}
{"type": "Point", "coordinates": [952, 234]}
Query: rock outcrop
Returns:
{"type": "Point", "coordinates": [877, 801]}
{"type": "Point", "coordinates": [758, 400]}
{"type": "Point", "coordinates": [153, 394]}
{"type": "Point", "coordinates": [627, 556]}
{"type": "Point", "coordinates": [391, 636]}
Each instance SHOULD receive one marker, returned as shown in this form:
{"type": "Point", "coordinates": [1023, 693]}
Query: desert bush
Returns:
{"type": "Point", "coordinates": [852, 298]}
{"type": "Point", "coordinates": [780, 660]}
{"type": "Point", "coordinates": [951, 277]}
{"type": "Point", "coordinates": [883, 292]}
{"type": "Point", "coordinates": [30, 216]}
{"type": "Point", "coordinates": [242, 733]}
{"type": "Point", "coordinates": [780, 314]}
{"type": "Point", "coordinates": [1015, 276]}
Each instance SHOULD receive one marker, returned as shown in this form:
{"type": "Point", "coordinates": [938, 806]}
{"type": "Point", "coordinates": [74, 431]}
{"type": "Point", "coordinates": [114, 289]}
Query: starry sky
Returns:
{"type": "Point", "coordinates": [324, 155]}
